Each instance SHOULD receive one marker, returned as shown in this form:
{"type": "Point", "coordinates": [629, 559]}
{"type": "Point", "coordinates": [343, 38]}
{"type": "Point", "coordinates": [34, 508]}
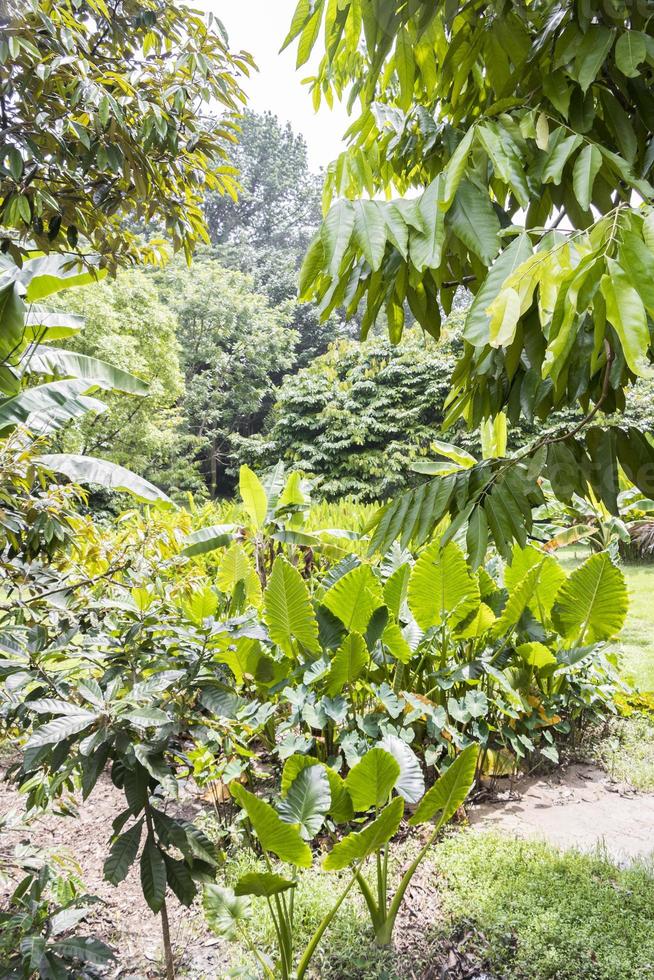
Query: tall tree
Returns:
{"type": "Point", "coordinates": [104, 116]}
{"type": "Point", "coordinates": [278, 204]}
{"type": "Point", "coordinates": [235, 347]}
{"type": "Point", "coordinates": [527, 132]}
{"type": "Point", "coordinates": [266, 231]}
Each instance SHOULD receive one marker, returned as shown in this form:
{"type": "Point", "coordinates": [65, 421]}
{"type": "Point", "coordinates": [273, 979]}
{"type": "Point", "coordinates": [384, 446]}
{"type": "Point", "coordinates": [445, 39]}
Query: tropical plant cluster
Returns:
{"type": "Point", "coordinates": [159, 654]}
{"type": "Point", "coordinates": [332, 673]}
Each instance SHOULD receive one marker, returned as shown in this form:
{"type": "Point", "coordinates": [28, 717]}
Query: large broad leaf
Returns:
{"type": "Point", "coordinates": [66, 363]}
{"type": "Point", "coordinates": [224, 911]}
{"type": "Point", "coordinates": [307, 801]}
{"type": "Point", "coordinates": [236, 567]}
{"type": "Point", "coordinates": [45, 325]}
{"type": "Point", "coordinates": [48, 406]}
{"type": "Point", "coordinates": [592, 605]}
{"type": "Point", "coordinates": [12, 320]}
{"type": "Point", "coordinates": [340, 808]}
{"type": "Point", "coordinates": [354, 598]}
{"type": "Point", "coordinates": [208, 539]}
{"type": "Point", "coordinates": [274, 835]}
{"type": "Point", "coordinates": [450, 790]}
{"type": "Point", "coordinates": [253, 496]}
{"type": "Point", "coordinates": [348, 663]}
{"type": "Point", "coordinates": [519, 599]}
{"type": "Point", "coordinates": [88, 469]}
{"type": "Point", "coordinates": [441, 586]}
{"type": "Point", "coordinates": [288, 612]}
{"type": "Point", "coordinates": [262, 884]}
{"type": "Point", "coordinates": [370, 782]}
{"type": "Point", "coordinates": [411, 782]}
{"type": "Point", "coordinates": [51, 273]}
{"type": "Point", "coordinates": [361, 844]}
{"type": "Point", "coordinates": [396, 589]}
{"type": "Point", "coordinates": [549, 581]}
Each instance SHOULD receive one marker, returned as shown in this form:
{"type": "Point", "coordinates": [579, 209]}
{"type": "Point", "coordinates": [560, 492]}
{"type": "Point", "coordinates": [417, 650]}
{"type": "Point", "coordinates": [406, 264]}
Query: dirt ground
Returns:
{"type": "Point", "coordinates": [576, 807]}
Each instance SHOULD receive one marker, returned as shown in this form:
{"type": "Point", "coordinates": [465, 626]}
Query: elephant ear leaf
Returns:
{"type": "Point", "coordinates": [449, 791]}
{"type": "Point", "coordinates": [224, 911]}
{"type": "Point", "coordinates": [253, 496]}
{"type": "Point", "coordinates": [411, 782]}
{"type": "Point", "coordinates": [360, 844]}
{"type": "Point", "coordinates": [592, 604]}
{"type": "Point", "coordinates": [308, 801]}
{"type": "Point", "coordinates": [441, 586]}
{"type": "Point", "coordinates": [340, 808]}
{"type": "Point", "coordinates": [348, 663]}
{"type": "Point", "coordinates": [354, 598]}
{"type": "Point", "coordinates": [288, 613]}
{"type": "Point", "coordinates": [274, 834]}
{"type": "Point", "coordinates": [262, 884]}
{"type": "Point", "coordinates": [370, 782]}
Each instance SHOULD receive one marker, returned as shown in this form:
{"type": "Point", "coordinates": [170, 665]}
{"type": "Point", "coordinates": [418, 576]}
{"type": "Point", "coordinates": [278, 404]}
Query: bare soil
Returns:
{"type": "Point", "coordinates": [578, 806]}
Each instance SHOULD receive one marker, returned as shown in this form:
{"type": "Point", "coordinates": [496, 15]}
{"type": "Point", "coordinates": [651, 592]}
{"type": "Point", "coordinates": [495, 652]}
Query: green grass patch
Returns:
{"type": "Point", "coordinates": [626, 750]}
{"type": "Point", "coordinates": [637, 641]}
{"type": "Point", "coordinates": [547, 914]}
{"type": "Point", "coordinates": [521, 909]}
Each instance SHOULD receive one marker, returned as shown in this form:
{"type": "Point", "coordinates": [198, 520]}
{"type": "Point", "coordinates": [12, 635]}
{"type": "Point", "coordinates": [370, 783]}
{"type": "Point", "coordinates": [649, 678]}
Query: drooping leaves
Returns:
{"type": "Point", "coordinates": [449, 791]}
{"type": "Point", "coordinates": [274, 834]}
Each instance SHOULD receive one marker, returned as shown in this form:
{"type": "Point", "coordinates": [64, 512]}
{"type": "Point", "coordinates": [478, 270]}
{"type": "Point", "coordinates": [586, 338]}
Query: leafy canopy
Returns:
{"type": "Point", "coordinates": [101, 123]}
{"type": "Point", "coordinates": [526, 131]}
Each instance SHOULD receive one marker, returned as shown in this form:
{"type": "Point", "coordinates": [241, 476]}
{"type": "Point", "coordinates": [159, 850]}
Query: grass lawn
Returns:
{"type": "Point", "coordinates": [519, 909]}
{"type": "Point", "coordinates": [637, 646]}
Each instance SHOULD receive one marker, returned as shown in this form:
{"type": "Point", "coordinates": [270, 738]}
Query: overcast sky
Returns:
{"type": "Point", "coordinates": [260, 27]}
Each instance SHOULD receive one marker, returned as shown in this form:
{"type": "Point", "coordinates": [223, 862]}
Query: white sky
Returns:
{"type": "Point", "coordinates": [260, 26]}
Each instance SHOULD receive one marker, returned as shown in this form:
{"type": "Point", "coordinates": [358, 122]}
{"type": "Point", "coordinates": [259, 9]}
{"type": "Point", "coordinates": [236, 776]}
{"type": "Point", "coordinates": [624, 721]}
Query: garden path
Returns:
{"type": "Point", "coordinates": [579, 806]}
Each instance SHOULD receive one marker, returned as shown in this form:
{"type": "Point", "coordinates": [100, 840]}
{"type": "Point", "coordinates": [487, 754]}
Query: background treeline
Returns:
{"type": "Point", "coordinates": [240, 371]}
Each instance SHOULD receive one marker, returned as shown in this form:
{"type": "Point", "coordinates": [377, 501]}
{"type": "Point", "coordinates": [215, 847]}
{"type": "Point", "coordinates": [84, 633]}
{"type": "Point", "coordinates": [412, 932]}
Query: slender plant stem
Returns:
{"type": "Point", "coordinates": [318, 934]}
{"type": "Point", "coordinates": [253, 949]}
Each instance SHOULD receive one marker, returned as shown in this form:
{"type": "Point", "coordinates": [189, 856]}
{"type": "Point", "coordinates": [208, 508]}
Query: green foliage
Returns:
{"type": "Point", "coordinates": [265, 232]}
{"type": "Point", "coordinates": [306, 800]}
{"type": "Point", "coordinates": [38, 935]}
{"type": "Point", "coordinates": [234, 348]}
{"type": "Point", "coordinates": [359, 417]}
{"type": "Point", "coordinates": [519, 118]}
{"type": "Point", "coordinates": [126, 323]}
{"type": "Point", "coordinates": [49, 406]}
{"type": "Point", "coordinates": [136, 145]}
